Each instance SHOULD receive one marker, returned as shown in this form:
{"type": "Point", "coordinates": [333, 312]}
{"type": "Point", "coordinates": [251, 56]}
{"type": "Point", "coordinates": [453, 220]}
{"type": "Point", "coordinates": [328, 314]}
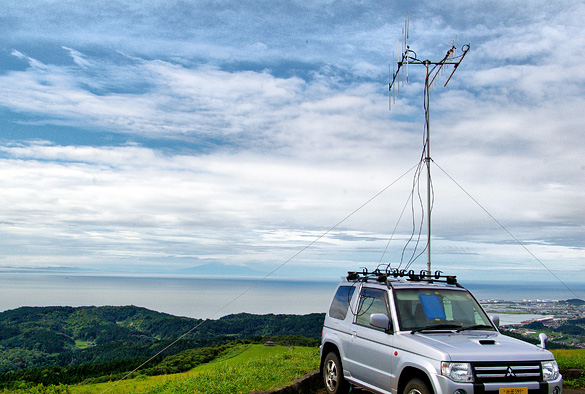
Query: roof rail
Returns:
{"type": "Point", "coordinates": [383, 276]}
{"type": "Point", "coordinates": [364, 275]}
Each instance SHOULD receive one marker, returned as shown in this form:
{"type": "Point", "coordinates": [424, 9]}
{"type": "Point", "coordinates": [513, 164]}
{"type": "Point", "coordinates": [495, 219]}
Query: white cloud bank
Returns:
{"type": "Point", "coordinates": [228, 160]}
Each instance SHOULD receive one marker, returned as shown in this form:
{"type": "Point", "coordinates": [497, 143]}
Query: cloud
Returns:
{"type": "Point", "coordinates": [32, 62]}
{"type": "Point", "coordinates": [175, 102]}
{"type": "Point", "coordinates": [133, 203]}
{"type": "Point", "coordinates": [166, 133]}
{"type": "Point", "coordinates": [79, 58]}
{"type": "Point", "coordinates": [254, 110]}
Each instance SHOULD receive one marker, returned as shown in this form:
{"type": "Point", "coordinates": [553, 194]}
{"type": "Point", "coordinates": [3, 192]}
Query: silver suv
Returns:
{"type": "Point", "coordinates": [402, 333]}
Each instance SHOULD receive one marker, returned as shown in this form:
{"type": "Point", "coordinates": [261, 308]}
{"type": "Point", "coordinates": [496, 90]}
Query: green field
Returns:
{"type": "Point", "coordinates": [244, 368]}
{"type": "Point", "coordinates": [570, 358]}
{"type": "Point", "coordinates": [255, 367]}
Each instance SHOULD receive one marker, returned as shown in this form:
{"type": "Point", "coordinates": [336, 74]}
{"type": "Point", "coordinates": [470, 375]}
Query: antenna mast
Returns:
{"type": "Point", "coordinates": [432, 70]}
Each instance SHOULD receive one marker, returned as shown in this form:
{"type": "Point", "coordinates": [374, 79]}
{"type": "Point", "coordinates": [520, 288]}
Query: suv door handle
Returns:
{"type": "Point", "coordinates": [353, 335]}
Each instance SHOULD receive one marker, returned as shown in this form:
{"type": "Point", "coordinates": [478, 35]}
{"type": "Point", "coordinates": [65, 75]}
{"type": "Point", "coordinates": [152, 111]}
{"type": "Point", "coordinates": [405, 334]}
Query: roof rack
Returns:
{"type": "Point", "coordinates": [383, 276]}
{"type": "Point", "coordinates": [364, 275]}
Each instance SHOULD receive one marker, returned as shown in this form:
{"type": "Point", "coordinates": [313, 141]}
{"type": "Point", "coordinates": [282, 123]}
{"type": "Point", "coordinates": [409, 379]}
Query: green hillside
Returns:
{"type": "Point", "coordinates": [239, 369]}
{"type": "Point", "coordinates": [66, 345]}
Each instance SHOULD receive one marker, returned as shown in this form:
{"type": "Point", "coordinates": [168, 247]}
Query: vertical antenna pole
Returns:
{"type": "Point", "coordinates": [410, 57]}
{"type": "Point", "coordinates": [428, 162]}
{"type": "Point", "coordinates": [389, 84]}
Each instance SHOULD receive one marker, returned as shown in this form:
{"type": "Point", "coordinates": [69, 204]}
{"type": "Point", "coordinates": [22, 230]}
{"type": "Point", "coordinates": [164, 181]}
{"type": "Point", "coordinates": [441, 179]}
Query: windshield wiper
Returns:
{"type": "Point", "coordinates": [437, 327]}
{"type": "Point", "coordinates": [476, 327]}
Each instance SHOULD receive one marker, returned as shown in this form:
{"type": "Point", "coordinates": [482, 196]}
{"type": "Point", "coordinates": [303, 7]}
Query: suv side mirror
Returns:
{"type": "Point", "coordinates": [543, 337]}
{"type": "Point", "coordinates": [496, 320]}
{"type": "Point", "coordinates": [380, 320]}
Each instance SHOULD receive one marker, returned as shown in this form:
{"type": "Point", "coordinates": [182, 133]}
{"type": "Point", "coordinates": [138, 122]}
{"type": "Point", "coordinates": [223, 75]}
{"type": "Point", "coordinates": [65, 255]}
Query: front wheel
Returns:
{"type": "Point", "coordinates": [333, 378]}
{"type": "Point", "coordinates": [417, 386]}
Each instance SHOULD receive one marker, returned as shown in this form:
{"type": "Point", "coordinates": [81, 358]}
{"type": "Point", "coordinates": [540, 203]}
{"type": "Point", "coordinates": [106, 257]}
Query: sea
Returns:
{"type": "Point", "coordinates": [213, 297]}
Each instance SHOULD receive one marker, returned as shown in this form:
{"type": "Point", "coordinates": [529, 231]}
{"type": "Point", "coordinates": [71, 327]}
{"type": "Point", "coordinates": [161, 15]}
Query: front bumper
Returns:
{"type": "Point", "coordinates": [447, 386]}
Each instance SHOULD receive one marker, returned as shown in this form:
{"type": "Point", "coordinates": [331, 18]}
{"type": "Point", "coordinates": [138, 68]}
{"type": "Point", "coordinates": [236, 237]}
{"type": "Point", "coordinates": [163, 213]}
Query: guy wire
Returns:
{"type": "Point", "coordinates": [509, 233]}
{"type": "Point", "coordinates": [394, 231]}
{"type": "Point", "coordinates": [255, 284]}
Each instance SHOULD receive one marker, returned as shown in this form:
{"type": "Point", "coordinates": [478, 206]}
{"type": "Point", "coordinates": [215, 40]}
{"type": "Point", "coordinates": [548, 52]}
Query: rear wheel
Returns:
{"type": "Point", "coordinates": [417, 386]}
{"type": "Point", "coordinates": [333, 378]}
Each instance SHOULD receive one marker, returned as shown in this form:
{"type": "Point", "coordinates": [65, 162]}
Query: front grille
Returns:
{"type": "Point", "coordinates": [507, 372]}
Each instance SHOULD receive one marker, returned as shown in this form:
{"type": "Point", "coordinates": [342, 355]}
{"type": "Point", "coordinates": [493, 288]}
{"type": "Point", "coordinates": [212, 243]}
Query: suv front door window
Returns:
{"type": "Point", "coordinates": [370, 351]}
{"type": "Point", "coordinates": [371, 301]}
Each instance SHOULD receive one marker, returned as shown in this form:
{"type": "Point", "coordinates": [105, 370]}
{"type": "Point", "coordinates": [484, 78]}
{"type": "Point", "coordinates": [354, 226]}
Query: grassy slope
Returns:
{"type": "Point", "coordinates": [570, 358]}
{"type": "Point", "coordinates": [245, 368]}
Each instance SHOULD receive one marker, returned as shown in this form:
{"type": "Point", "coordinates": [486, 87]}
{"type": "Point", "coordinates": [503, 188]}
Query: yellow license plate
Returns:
{"type": "Point", "coordinates": [514, 390]}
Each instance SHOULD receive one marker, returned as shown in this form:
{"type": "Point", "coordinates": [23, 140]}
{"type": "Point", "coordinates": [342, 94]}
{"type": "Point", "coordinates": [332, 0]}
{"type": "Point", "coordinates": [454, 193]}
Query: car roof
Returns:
{"type": "Point", "coordinates": [402, 284]}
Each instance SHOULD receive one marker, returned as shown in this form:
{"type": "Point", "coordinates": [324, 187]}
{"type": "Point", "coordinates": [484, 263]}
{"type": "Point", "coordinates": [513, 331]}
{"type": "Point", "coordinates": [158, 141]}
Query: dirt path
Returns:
{"type": "Point", "coordinates": [566, 390]}
{"type": "Point", "coordinates": [312, 383]}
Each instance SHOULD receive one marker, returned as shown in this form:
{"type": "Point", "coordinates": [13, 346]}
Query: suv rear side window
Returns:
{"type": "Point", "coordinates": [371, 301]}
{"type": "Point", "coordinates": [340, 304]}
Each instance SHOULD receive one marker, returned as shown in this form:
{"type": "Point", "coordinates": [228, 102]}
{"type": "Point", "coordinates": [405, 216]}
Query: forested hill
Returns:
{"type": "Point", "coordinates": [33, 337]}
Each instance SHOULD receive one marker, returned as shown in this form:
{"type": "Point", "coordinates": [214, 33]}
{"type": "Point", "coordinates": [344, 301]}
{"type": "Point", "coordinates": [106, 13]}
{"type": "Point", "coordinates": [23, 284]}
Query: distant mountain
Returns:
{"type": "Point", "coordinates": [46, 270]}
{"type": "Point", "coordinates": [216, 269]}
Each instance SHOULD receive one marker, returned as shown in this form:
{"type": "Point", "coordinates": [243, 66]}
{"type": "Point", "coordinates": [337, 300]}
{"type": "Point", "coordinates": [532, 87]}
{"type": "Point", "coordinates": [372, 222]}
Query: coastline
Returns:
{"type": "Point", "coordinates": [211, 296]}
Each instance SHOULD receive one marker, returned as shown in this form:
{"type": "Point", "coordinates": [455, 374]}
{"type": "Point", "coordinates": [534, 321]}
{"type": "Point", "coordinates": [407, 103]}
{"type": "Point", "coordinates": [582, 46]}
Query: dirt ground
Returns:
{"type": "Point", "coordinates": [566, 390]}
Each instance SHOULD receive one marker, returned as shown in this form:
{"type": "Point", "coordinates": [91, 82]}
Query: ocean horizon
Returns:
{"type": "Point", "coordinates": [214, 297]}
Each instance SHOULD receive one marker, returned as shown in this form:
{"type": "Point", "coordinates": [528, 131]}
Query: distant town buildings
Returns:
{"type": "Point", "coordinates": [563, 321]}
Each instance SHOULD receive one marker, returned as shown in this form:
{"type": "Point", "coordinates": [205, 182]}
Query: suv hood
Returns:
{"type": "Point", "coordinates": [473, 346]}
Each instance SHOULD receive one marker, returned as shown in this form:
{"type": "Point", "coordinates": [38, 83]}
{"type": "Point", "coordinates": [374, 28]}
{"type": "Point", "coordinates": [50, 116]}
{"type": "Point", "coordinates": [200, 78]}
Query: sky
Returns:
{"type": "Point", "coordinates": [153, 138]}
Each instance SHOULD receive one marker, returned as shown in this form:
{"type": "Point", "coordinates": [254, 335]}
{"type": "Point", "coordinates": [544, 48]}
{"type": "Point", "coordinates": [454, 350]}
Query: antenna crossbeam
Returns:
{"type": "Point", "coordinates": [448, 60]}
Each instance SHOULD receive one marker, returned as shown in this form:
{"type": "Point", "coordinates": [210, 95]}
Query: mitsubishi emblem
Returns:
{"type": "Point", "coordinates": [510, 373]}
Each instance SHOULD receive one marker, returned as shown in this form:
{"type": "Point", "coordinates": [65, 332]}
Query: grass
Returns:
{"type": "Point", "coordinates": [258, 368]}
{"type": "Point", "coordinates": [242, 369]}
{"type": "Point", "coordinates": [83, 344]}
{"type": "Point", "coordinates": [571, 359]}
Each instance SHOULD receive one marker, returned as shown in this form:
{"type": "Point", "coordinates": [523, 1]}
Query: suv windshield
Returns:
{"type": "Point", "coordinates": [439, 309]}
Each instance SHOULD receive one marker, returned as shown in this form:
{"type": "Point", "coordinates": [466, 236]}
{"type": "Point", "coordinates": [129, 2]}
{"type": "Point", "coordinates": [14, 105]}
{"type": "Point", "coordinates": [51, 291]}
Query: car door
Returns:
{"type": "Point", "coordinates": [370, 350]}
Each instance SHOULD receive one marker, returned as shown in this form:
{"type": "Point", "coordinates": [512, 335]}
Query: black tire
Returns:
{"type": "Point", "coordinates": [333, 378]}
{"type": "Point", "coordinates": [417, 386]}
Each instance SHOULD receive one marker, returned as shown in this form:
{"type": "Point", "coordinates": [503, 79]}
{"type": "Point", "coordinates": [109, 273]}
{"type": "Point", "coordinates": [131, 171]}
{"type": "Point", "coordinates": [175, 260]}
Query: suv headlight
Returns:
{"type": "Point", "coordinates": [458, 372]}
{"type": "Point", "coordinates": [550, 370]}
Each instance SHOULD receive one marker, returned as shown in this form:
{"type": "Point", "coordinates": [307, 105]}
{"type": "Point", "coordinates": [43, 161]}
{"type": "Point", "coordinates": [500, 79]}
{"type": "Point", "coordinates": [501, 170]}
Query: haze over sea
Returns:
{"type": "Point", "coordinates": [201, 297]}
